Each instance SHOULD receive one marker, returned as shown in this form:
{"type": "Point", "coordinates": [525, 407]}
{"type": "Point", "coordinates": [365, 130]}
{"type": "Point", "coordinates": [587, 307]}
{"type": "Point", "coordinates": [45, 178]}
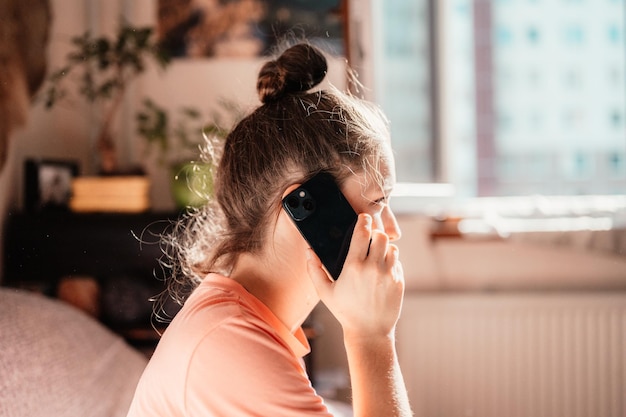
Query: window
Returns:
{"type": "Point", "coordinates": [405, 85]}
{"type": "Point", "coordinates": [508, 97]}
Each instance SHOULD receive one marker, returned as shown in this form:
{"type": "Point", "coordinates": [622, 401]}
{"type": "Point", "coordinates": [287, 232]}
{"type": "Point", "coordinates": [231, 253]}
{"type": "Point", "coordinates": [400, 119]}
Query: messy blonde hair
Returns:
{"type": "Point", "coordinates": [293, 135]}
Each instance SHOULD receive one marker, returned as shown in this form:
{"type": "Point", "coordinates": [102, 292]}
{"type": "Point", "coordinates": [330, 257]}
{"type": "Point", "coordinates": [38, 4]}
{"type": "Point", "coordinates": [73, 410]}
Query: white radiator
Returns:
{"type": "Point", "coordinates": [526, 355]}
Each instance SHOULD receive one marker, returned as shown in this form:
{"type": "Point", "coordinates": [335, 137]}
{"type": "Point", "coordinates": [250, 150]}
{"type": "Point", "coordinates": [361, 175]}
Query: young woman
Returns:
{"type": "Point", "coordinates": [236, 346]}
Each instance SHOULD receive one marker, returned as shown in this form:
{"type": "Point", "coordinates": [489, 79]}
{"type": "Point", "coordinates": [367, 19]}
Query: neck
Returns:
{"type": "Point", "coordinates": [285, 290]}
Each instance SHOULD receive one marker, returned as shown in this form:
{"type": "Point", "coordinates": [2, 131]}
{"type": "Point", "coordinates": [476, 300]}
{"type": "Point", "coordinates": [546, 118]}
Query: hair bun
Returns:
{"type": "Point", "coordinates": [297, 70]}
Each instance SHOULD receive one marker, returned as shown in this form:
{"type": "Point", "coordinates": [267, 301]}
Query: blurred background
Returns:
{"type": "Point", "coordinates": [508, 97]}
{"type": "Point", "coordinates": [508, 122]}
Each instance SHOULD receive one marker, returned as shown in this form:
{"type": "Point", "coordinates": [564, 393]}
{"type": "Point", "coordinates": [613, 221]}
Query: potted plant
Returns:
{"type": "Point", "coordinates": [100, 70]}
{"type": "Point", "coordinates": [179, 139]}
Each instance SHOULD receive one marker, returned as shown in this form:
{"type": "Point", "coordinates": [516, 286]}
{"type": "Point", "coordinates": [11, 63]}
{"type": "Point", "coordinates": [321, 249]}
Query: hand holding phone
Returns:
{"type": "Point", "coordinates": [324, 218]}
{"type": "Point", "coordinates": [366, 301]}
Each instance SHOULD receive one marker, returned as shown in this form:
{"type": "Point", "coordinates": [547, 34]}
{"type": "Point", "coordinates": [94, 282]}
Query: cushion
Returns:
{"type": "Point", "coordinates": [56, 360]}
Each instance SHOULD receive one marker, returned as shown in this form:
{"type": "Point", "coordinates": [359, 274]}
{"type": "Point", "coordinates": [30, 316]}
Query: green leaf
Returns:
{"type": "Point", "coordinates": [107, 88]}
{"type": "Point", "coordinates": [141, 37]}
{"type": "Point", "coordinates": [122, 39]}
{"type": "Point", "coordinates": [101, 49]}
{"type": "Point", "coordinates": [59, 74]}
{"type": "Point", "coordinates": [88, 88]}
{"type": "Point", "coordinates": [191, 112]}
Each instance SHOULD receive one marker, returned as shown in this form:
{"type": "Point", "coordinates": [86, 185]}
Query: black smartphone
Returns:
{"type": "Point", "coordinates": [324, 218]}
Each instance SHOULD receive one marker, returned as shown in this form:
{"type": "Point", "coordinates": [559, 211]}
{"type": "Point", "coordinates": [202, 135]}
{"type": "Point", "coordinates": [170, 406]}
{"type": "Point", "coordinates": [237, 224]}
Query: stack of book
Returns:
{"type": "Point", "coordinates": [128, 194]}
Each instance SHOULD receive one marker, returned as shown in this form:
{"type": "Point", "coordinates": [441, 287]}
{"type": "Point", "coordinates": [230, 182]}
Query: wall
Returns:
{"type": "Point", "coordinates": [556, 354]}
{"type": "Point", "coordinates": [47, 135]}
{"type": "Point", "coordinates": [67, 131]}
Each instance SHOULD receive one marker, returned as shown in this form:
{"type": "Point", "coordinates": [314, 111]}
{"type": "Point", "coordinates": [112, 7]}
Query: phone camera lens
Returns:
{"type": "Point", "coordinates": [308, 204]}
{"type": "Point", "coordinates": [293, 202]}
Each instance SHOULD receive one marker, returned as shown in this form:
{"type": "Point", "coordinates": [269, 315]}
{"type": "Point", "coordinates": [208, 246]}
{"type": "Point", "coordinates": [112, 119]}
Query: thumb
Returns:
{"type": "Point", "coordinates": [317, 274]}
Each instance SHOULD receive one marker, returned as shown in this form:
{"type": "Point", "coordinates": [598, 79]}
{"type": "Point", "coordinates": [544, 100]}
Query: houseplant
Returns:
{"type": "Point", "coordinates": [100, 69]}
{"type": "Point", "coordinates": [179, 138]}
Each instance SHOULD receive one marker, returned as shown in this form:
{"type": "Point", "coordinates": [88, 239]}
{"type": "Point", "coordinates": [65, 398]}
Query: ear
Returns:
{"type": "Point", "coordinates": [287, 191]}
{"type": "Point", "coordinates": [290, 189]}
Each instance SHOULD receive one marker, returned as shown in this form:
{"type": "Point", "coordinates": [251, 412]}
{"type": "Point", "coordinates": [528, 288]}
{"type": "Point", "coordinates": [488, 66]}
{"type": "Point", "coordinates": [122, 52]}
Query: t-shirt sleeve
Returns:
{"type": "Point", "coordinates": [243, 369]}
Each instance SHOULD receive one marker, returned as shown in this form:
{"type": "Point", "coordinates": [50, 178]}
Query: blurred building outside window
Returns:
{"type": "Point", "coordinates": [505, 97]}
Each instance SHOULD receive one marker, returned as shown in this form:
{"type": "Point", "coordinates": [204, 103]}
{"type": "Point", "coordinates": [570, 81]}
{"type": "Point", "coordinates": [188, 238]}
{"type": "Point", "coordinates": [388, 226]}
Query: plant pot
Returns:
{"type": "Point", "coordinates": [191, 184]}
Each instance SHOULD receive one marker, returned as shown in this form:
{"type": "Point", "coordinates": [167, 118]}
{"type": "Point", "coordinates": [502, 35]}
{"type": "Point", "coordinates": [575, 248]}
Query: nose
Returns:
{"type": "Point", "coordinates": [389, 224]}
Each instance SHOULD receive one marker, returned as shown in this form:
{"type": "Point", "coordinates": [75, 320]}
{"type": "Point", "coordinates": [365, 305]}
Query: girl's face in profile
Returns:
{"type": "Point", "coordinates": [368, 195]}
{"type": "Point", "coordinates": [365, 194]}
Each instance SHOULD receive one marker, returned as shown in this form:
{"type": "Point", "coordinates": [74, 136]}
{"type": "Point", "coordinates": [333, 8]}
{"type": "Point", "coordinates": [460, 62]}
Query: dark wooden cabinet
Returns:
{"type": "Point", "coordinates": [119, 252]}
{"type": "Point", "coordinates": [41, 248]}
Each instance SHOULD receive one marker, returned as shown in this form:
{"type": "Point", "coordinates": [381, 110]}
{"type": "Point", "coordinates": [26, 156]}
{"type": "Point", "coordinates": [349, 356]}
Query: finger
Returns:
{"type": "Point", "coordinates": [399, 271]}
{"type": "Point", "coordinates": [393, 261]}
{"type": "Point", "coordinates": [379, 246]}
{"type": "Point", "coordinates": [317, 274]}
{"type": "Point", "coordinates": [393, 255]}
{"type": "Point", "coordinates": [398, 275]}
{"type": "Point", "coordinates": [360, 242]}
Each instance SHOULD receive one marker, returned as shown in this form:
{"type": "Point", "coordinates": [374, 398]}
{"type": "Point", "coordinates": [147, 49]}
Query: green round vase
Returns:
{"type": "Point", "coordinates": [192, 184]}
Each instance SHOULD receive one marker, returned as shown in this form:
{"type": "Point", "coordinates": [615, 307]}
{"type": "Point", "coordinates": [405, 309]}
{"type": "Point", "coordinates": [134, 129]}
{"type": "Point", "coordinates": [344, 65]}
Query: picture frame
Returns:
{"type": "Point", "coordinates": [48, 184]}
{"type": "Point", "coordinates": [248, 28]}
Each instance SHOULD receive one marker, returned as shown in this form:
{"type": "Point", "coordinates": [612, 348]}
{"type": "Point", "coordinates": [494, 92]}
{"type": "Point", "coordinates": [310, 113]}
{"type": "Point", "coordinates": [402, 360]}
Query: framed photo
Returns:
{"type": "Point", "coordinates": [247, 28]}
{"type": "Point", "coordinates": [48, 184]}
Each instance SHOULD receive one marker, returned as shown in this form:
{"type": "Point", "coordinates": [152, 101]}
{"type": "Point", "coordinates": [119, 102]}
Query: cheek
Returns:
{"type": "Point", "coordinates": [288, 239]}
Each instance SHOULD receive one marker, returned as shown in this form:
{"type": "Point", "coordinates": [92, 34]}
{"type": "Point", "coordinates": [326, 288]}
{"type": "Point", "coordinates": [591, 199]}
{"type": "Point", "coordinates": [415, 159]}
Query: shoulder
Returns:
{"type": "Point", "coordinates": [220, 303]}
{"type": "Point", "coordinates": [222, 356]}
{"type": "Point", "coordinates": [219, 319]}
{"type": "Point", "coordinates": [242, 361]}
{"type": "Point", "coordinates": [242, 368]}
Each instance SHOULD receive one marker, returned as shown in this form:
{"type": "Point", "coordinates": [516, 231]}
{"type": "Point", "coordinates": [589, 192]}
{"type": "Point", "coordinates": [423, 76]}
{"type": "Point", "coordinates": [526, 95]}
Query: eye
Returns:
{"type": "Point", "coordinates": [380, 203]}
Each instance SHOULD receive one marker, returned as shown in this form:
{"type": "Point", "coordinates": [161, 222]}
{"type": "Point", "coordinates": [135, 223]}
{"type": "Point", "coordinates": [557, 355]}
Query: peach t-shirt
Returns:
{"type": "Point", "coordinates": [226, 354]}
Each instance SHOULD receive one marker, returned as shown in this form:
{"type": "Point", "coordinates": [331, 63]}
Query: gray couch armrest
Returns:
{"type": "Point", "coordinates": [57, 361]}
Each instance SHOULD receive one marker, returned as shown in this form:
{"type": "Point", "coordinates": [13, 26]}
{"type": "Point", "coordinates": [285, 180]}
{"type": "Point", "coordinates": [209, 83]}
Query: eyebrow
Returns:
{"type": "Point", "coordinates": [387, 187]}
{"type": "Point", "coordinates": [374, 192]}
